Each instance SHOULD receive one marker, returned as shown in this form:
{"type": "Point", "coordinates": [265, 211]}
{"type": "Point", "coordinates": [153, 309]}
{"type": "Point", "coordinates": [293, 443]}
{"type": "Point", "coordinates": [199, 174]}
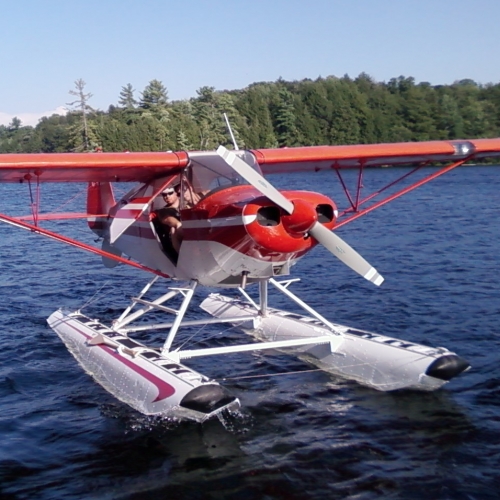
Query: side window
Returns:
{"type": "Point", "coordinates": [188, 195]}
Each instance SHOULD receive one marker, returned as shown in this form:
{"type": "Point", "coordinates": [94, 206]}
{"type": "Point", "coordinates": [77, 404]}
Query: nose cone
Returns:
{"type": "Point", "coordinates": [207, 398]}
{"type": "Point", "coordinates": [303, 217]}
{"type": "Point", "coordinates": [446, 367]}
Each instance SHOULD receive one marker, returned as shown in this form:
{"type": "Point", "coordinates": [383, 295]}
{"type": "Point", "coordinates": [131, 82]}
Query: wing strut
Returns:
{"type": "Point", "coordinates": [401, 192]}
{"type": "Point", "coordinates": [35, 203]}
{"type": "Point", "coordinates": [77, 244]}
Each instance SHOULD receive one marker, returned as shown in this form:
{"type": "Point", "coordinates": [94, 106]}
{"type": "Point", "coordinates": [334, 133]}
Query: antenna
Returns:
{"type": "Point", "coordinates": [231, 132]}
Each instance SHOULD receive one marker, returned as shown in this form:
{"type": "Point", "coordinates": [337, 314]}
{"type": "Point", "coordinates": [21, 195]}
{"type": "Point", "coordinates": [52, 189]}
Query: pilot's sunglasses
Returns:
{"type": "Point", "coordinates": [169, 192]}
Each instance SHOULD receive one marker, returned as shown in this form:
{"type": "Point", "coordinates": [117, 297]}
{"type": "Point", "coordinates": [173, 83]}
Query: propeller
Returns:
{"type": "Point", "coordinates": [333, 243]}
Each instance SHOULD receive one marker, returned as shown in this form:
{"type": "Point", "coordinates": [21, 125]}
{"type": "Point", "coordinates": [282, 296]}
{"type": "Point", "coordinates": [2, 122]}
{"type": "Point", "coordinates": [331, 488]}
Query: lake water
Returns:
{"type": "Point", "coordinates": [297, 436]}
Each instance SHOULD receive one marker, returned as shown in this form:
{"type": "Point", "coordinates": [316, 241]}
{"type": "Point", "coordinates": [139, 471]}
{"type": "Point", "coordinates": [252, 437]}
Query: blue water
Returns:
{"type": "Point", "coordinates": [298, 436]}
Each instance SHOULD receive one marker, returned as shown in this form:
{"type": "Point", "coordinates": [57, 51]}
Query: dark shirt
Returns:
{"type": "Point", "coordinates": [165, 212]}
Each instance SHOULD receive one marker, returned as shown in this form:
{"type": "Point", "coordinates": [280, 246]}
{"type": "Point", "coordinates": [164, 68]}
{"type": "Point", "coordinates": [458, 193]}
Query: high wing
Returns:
{"type": "Point", "coordinates": [316, 158]}
{"type": "Point", "coordinates": [89, 167]}
{"type": "Point", "coordinates": [141, 167]}
{"type": "Point", "coordinates": [147, 166]}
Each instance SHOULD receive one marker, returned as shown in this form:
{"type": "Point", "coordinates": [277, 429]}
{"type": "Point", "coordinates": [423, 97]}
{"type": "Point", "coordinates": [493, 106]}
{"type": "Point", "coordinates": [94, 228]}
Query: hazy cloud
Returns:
{"type": "Point", "coordinates": [30, 118]}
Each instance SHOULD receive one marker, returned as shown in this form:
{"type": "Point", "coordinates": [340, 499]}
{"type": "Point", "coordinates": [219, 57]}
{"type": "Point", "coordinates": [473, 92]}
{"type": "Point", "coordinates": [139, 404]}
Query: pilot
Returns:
{"type": "Point", "coordinates": [170, 217]}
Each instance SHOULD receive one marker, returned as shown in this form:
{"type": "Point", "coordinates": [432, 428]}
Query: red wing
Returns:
{"type": "Point", "coordinates": [89, 167]}
{"type": "Point", "coordinates": [316, 158]}
{"type": "Point", "coordinates": [140, 167]}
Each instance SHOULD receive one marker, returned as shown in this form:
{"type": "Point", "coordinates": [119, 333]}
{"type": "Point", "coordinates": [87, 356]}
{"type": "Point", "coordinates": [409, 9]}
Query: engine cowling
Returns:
{"type": "Point", "coordinates": [276, 231]}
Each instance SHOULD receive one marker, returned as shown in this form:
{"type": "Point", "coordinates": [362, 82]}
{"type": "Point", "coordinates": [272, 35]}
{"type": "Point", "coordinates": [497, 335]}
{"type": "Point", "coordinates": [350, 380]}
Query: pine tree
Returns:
{"type": "Point", "coordinates": [127, 97]}
{"type": "Point", "coordinates": [81, 134]}
{"type": "Point", "coordinates": [154, 95]}
{"type": "Point", "coordinates": [285, 119]}
{"type": "Point", "coordinates": [450, 124]}
{"type": "Point", "coordinates": [253, 105]}
{"type": "Point", "coordinates": [15, 124]}
{"type": "Point", "coordinates": [209, 118]}
{"type": "Point", "coordinates": [225, 105]}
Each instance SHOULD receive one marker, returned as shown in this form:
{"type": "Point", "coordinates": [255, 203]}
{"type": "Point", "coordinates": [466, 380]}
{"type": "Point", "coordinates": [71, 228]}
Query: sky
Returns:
{"type": "Point", "coordinates": [45, 46]}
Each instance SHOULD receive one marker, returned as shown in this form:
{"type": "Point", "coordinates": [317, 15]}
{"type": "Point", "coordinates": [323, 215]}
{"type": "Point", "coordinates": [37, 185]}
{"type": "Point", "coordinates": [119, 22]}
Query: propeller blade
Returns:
{"type": "Point", "coordinates": [338, 247]}
{"type": "Point", "coordinates": [255, 179]}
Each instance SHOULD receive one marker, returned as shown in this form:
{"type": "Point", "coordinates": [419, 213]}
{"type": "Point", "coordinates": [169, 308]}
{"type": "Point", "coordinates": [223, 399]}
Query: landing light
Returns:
{"type": "Point", "coordinates": [464, 148]}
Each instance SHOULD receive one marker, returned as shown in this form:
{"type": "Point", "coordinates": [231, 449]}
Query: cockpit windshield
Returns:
{"type": "Point", "coordinates": [209, 172]}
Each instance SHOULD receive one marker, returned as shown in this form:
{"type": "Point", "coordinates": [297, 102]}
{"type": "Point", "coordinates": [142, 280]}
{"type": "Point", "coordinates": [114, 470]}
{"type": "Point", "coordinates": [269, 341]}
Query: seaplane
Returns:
{"type": "Point", "coordinates": [230, 228]}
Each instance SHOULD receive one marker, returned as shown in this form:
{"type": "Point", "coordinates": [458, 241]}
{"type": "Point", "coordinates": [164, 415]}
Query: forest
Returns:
{"type": "Point", "coordinates": [327, 110]}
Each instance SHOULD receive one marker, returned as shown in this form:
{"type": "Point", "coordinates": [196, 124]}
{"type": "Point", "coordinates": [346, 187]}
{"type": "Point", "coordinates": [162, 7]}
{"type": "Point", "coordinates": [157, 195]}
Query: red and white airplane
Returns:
{"type": "Point", "coordinates": [236, 230]}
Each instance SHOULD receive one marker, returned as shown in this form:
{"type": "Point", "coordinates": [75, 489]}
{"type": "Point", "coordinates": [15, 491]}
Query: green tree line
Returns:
{"type": "Point", "coordinates": [327, 110]}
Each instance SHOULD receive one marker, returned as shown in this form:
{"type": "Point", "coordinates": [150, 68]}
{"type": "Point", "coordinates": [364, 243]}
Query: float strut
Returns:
{"type": "Point", "coordinates": [188, 294]}
{"type": "Point", "coordinates": [263, 297]}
